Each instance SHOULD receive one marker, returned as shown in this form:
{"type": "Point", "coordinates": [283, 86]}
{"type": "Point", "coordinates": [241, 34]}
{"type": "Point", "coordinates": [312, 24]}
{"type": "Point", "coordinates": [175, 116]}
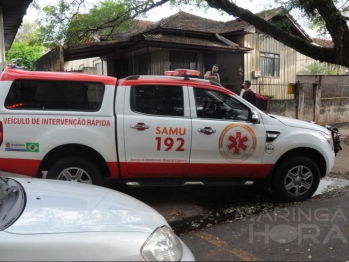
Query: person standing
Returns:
{"type": "Point", "coordinates": [243, 90]}
{"type": "Point", "coordinates": [213, 75]}
{"type": "Point", "coordinates": [249, 95]}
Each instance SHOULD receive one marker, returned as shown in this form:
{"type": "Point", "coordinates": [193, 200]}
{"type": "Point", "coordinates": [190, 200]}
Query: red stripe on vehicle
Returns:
{"type": "Point", "coordinates": [153, 170]}
{"type": "Point", "coordinates": [230, 170]}
{"type": "Point", "coordinates": [169, 170]}
{"type": "Point", "coordinates": [113, 169]}
{"type": "Point", "coordinates": [27, 167]}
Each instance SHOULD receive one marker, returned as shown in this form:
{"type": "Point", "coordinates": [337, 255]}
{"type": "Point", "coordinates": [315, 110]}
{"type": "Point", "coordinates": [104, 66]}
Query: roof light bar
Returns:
{"type": "Point", "coordinates": [183, 72]}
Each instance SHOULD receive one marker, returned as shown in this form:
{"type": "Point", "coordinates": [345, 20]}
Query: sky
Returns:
{"type": "Point", "coordinates": [166, 11]}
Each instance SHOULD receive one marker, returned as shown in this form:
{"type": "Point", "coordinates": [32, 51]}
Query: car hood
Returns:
{"type": "Point", "coordinates": [62, 207]}
{"type": "Point", "coordinates": [299, 123]}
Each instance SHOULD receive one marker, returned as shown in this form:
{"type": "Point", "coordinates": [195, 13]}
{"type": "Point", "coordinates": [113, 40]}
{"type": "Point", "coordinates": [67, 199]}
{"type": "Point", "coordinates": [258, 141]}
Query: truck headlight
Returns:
{"type": "Point", "coordinates": [329, 139]}
{"type": "Point", "coordinates": [162, 245]}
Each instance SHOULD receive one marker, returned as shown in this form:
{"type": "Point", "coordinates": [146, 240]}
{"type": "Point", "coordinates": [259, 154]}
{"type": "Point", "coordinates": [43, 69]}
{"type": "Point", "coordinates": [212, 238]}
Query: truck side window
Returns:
{"type": "Point", "coordinates": [54, 95]}
{"type": "Point", "coordinates": [217, 105]}
{"type": "Point", "coordinates": [157, 100]}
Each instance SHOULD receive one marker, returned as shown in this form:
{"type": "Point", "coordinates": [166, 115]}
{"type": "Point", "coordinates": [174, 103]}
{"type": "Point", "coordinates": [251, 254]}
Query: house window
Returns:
{"type": "Point", "coordinates": [270, 64]}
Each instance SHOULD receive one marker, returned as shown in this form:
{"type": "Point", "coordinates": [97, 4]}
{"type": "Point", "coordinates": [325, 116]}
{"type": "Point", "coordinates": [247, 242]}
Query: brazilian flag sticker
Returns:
{"type": "Point", "coordinates": [32, 147]}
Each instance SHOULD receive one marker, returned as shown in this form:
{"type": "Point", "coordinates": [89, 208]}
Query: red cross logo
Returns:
{"type": "Point", "coordinates": [237, 142]}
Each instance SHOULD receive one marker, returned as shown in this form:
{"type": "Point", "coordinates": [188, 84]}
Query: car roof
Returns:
{"type": "Point", "coordinates": [10, 74]}
{"type": "Point", "coordinates": [172, 80]}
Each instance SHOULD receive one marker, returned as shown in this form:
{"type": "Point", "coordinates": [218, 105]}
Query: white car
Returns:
{"type": "Point", "coordinates": [50, 220]}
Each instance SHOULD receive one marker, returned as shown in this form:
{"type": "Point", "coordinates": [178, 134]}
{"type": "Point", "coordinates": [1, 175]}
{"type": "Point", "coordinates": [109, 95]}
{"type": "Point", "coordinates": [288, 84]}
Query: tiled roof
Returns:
{"type": "Point", "coordinates": [234, 25]}
{"type": "Point", "coordinates": [189, 41]}
{"type": "Point", "coordinates": [135, 27]}
{"type": "Point", "coordinates": [183, 21]}
{"type": "Point", "coordinates": [323, 42]}
{"type": "Point", "coordinates": [189, 22]}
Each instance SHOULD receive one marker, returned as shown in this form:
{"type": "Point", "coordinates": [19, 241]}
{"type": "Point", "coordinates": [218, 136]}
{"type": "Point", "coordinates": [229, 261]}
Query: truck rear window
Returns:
{"type": "Point", "coordinates": [54, 95]}
{"type": "Point", "coordinates": [157, 100]}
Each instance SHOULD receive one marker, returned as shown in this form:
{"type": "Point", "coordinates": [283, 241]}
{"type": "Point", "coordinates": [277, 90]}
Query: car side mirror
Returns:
{"type": "Point", "coordinates": [255, 118]}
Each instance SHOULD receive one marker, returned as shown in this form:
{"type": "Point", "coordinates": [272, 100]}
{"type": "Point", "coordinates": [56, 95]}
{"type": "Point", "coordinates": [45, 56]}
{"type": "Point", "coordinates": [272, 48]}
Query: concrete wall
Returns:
{"type": "Point", "coordinates": [322, 110]}
{"type": "Point", "coordinates": [285, 107]}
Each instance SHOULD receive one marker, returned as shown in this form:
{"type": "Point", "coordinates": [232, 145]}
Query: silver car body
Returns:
{"type": "Point", "coordinates": [74, 221]}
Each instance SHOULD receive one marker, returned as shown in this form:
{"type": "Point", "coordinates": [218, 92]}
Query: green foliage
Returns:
{"type": "Point", "coordinates": [28, 53]}
{"type": "Point", "coordinates": [28, 33]}
{"type": "Point", "coordinates": [71, 22]}
{"type": "Point", "coordinates": [319, 69]}
{"type": "Point", "coordinates": [26, 46]}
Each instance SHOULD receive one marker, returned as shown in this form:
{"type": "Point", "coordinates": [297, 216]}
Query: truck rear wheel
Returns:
{"type": "Point", "coordinates": [77, 170]}
{"type": "Point", "coordinates": [295, 179]}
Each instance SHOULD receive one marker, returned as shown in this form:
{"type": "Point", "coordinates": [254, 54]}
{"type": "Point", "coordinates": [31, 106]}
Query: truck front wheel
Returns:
{"type": "Point", "coordinates": [295, 179]}
{"type": "Point", "coordinates": [77, 170]}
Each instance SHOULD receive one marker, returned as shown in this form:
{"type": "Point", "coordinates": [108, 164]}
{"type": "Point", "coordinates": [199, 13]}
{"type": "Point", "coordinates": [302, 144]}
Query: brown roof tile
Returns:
{"type": "Point", "coordinates": [323, 42]}
{"type": "Point", "coordinates": [234, 25]}
{"type": "Point", "coordinates": [188, 41]}
{"type": "Point", "coordinates": [135, 27]}
{"type": "Point", "coordinates": [189, 22]}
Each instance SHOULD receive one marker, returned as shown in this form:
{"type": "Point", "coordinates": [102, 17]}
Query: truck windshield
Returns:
{"type": "Point", "coordinates": [12, 201]}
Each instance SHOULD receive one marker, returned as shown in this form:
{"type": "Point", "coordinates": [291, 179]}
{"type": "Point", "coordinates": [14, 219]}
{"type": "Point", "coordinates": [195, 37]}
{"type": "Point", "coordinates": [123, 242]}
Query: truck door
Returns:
{"type": "Point", "coordinates": [224, 144]}
{"type": "Point", "coordinates": [157, 131]}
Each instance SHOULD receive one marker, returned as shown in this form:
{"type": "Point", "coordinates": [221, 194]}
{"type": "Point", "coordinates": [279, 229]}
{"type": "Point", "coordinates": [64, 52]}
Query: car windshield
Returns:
{"type": "Point", "coordinates": [12, 201]}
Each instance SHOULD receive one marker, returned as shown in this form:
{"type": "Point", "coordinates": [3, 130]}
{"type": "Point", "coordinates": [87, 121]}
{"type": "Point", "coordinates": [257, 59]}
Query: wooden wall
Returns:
{"type": "Point", "coordinates": [52, 61]}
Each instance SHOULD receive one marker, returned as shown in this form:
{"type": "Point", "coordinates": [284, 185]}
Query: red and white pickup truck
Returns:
{"type": "Point", "coordinates": [154, 130]}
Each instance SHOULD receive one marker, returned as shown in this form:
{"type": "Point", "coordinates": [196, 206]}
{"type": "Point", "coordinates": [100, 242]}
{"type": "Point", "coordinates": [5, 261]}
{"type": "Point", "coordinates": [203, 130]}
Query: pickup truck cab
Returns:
{"type": "Point", "coordinates": [154, 130]}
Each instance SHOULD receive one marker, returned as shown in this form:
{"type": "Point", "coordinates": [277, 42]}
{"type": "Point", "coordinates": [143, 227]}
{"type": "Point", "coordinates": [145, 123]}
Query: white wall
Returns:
{"type": "Point", "coordinates": [88, 62]}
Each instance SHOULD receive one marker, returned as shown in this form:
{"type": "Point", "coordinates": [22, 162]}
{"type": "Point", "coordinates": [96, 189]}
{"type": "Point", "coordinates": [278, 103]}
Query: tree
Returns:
{"type": "Point", "coordinates": [71, 22]}
{"type": "Point", "coordinates": [26, 46]}
{"type": "Point", "coordinates": [28, 33]}
{"type": "Point", "coordinates": [319, 12]}
{"type": "Point", "coordinates": [27, 54]}
{"type": "Point", "coordinates": [318, 69]}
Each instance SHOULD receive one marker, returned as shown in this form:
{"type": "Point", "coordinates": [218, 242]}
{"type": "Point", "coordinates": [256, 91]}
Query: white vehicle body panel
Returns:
{"type": "Point", "coordinates": [148, 147]}
{"type": "Point", "coordinates": [67, 221]}
{"type": "Point", "coordinates": [297, 134]}
{"type": "Point", "coordinates": [52, 125]}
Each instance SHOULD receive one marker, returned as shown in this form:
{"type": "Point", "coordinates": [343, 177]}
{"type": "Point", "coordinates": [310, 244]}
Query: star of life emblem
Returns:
{"type": "Point", "coordinates": [237, 143]}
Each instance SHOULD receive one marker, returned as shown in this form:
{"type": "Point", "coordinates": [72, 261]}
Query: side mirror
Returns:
{"type": "Point", "coordinates": [255, 118]}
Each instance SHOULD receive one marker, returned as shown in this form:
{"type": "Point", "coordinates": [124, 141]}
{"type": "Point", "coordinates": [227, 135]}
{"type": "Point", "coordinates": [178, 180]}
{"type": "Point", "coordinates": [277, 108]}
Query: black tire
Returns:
{"type": "Point", "coordinates": [295, 179]}
{"type": "Point", "coordinates": [76, 169]}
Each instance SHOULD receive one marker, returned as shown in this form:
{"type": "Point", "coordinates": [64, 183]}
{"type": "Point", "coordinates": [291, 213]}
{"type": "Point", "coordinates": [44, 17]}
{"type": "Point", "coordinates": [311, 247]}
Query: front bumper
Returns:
{"type": "Point", "coordinates": [336, 138]}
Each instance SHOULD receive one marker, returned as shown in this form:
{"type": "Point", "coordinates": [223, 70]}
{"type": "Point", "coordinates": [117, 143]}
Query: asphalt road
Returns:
{"type": "Point", "coordinates": [315, 230]}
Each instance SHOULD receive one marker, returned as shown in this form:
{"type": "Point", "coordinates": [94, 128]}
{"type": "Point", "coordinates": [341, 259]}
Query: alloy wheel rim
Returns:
{"type": "Point", "coordinates": [298, 180]}
{"type": "Point", "coordinates": [75, 174]}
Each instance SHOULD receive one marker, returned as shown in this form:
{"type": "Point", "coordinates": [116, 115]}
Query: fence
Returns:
{"type": "Point", "coordinates": [276, 91]}
{"type": "Point", "coordinates": [325, 101]}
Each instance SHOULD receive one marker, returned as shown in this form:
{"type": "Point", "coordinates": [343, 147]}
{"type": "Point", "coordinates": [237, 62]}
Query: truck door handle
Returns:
{"type": "Point", "coordinates": [140, 126]}
{"type": "Point", "coordinates": [207, 130]}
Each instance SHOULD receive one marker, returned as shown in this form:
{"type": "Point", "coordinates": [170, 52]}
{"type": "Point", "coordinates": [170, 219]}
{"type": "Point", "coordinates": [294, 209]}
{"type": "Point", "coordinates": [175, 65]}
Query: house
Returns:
{"type": "Point", "coordinates": [187, 41]}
